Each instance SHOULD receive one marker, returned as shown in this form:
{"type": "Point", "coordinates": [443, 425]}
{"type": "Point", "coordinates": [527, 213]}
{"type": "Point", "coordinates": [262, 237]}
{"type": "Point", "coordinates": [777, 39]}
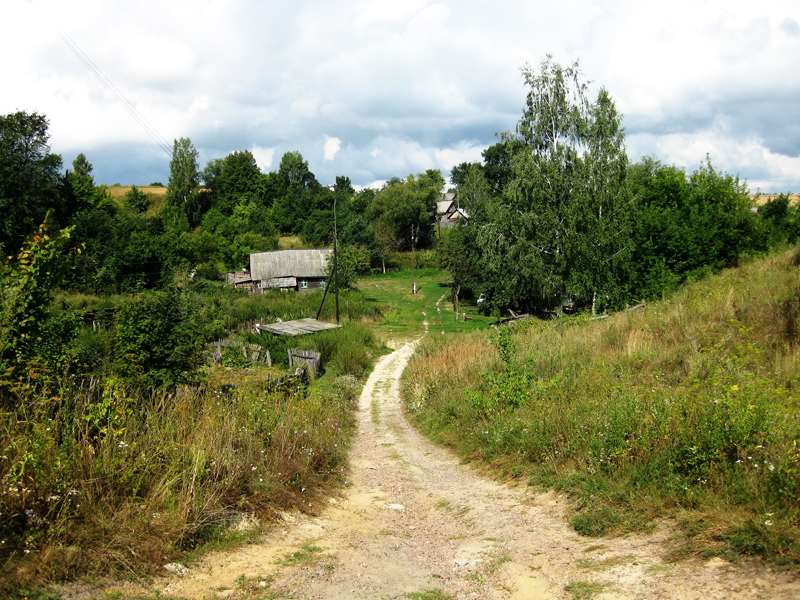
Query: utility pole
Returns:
{"type": "Point", "coordinates": [413, 273]}
{"type": "Point", "coordinates": [335, 272]}
{"type": "Point", "coordinates": [335, 261]}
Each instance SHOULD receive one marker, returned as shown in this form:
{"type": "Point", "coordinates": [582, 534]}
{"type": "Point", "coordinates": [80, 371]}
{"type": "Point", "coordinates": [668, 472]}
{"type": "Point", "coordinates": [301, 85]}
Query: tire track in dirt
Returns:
{"type": "Point", "coordinates": [414, 519]}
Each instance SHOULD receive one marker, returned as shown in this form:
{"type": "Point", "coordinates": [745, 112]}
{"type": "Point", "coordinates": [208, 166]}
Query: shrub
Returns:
{"type": "Point", "coordinates": [156, 339]}
{"type": "Point", "coordinates": [136, 200]}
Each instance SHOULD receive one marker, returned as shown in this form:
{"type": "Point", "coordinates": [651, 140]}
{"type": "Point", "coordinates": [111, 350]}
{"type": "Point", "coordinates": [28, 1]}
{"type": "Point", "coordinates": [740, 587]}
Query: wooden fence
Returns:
{"type": "Point", "coordinates": [254, 352]}
{"type": "Point", "coordinates": [312, 360]}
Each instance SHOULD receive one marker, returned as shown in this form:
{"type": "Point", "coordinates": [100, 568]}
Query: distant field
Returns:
{"type": "Point", "coordinates": [764, 198]}
{"type": "Point", "coordinates": [118, 191]}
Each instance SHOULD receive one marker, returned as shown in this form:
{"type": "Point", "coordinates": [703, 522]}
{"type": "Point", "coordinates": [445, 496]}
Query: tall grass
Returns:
{"type": "Point", "coordinates": [687, 409]}
{"type": "Point", "coordinates": [98, 479]}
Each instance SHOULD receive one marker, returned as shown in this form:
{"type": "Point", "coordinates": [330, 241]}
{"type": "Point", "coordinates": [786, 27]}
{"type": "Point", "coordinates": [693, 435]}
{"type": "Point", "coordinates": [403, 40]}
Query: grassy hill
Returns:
{"type": "Point", "coordinates": [687, 410]}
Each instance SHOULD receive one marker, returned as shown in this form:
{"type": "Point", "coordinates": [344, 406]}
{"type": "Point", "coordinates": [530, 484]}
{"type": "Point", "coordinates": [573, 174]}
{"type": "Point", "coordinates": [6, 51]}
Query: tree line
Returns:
{"type": "Point", "coordinates": [557, 211]}
{"type": "Point", "coordinates": [213, 217]}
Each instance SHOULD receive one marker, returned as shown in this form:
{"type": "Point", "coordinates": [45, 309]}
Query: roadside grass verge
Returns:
{"type": "Point", "coordinates": [101, 479]}
{"type": "Point", "coordinates": [687, 410]}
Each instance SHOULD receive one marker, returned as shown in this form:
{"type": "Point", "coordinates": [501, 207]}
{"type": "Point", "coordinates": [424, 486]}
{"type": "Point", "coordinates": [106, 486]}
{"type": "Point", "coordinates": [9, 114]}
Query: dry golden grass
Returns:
{"type": "Point", "coordinates": [118, 191]}
{"type": "Point", "coordinates": [759, 199]}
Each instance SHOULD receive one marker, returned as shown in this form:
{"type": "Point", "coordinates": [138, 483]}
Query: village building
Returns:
{"type": "Point", "coordinates": [299, 270]}
{"type": "Point", "coordinates": [240, 280]}
{"type": "Point", "coordinates": [448, 211]}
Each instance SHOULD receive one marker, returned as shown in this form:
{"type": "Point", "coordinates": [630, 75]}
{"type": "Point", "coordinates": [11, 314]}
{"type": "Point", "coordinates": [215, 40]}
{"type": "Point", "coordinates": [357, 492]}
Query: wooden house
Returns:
{"type": "Point", "coordinates": [448, 211]}
{"type": "Point", "coordinates": [299, 270]}
{"type": "Point", "coordinates": [241, 280]}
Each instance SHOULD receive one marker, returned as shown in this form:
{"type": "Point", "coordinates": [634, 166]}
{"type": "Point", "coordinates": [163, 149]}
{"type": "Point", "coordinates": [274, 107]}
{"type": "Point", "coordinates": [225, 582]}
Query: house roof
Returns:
{"type": "Point", "coordinates": [443, 205]}
{"type": "Point", "coordinates": [289, 263]}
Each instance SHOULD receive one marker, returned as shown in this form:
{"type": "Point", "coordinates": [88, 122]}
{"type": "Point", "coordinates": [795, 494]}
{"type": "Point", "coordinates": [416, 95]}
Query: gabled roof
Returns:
{"type": "Point", "coordinates": [289, 263]}
{"type": "Point", "coordinates": [443, 205]}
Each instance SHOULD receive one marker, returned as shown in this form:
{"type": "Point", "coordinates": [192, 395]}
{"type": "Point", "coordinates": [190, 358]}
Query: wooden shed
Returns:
{"type": "Point", "coordinates": [299, 270]}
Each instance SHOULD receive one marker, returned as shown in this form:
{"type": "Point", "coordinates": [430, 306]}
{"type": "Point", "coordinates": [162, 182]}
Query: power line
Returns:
{"type": "Point", "coordinates": [108, 84]}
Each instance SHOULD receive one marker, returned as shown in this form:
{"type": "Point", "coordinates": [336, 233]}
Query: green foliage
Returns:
{"type": "Point", "coordinates": [403, 205]}
{"type": "Point", "coordinates": [29, 179]}
{"type": "Point", "coordinates": [26, 283]}
{"type": "Point", "coordinates": [346, 351]}
{"type": "Point", "coordinates": [561, 226]}
{"type": "Point", "coordinates": [432, 594]}
{"type": "Point", "coordinates": [136, 200]}
{"type": "Point", "coordinates": [184, 177]}
{"type": "Point", "coordinates": [351, 262]}
{"type": "Point", "coordinates": [687, 225]}
{"type": "Point", "coordinates": [156, 339]}
{"type": "Point", "coordinates": [107, 478]}
{"type": "Point", "coordinates": [782, 220]}
{"type": "Point", "coordinates": [584, 590]}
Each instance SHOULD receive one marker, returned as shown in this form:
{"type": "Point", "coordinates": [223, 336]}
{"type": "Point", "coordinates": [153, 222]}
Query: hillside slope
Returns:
{"type": "Point", "coordinates": [688, 409]}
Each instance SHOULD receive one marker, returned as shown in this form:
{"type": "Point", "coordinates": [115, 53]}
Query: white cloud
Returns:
{"type": "Point", "coordinates": [332, 147]}
{"type": "Point", "coordinates": [263, 157]}
{"type": "Point", "coordinates": [410, 85]}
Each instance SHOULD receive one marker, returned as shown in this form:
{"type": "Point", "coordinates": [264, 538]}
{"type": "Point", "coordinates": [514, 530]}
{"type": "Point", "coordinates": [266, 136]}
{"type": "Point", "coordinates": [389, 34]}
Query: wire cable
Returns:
{"type": "Point", "coordinates": [107, 83]}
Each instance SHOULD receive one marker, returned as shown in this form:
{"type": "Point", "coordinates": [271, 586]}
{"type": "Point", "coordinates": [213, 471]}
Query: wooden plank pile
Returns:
{"type": "Point", "coordinates": [295, 328]}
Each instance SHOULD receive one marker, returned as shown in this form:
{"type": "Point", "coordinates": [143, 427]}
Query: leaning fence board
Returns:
{"type": "Point", "coordinates": [313, 360]}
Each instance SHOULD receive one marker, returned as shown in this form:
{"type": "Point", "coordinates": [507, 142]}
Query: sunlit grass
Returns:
{"type": "Point", "coordinates": [688, 407]}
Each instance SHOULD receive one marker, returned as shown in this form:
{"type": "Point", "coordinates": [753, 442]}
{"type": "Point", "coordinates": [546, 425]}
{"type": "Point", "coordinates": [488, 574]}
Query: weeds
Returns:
{"type": "Point", "coordinates": [306, 554]}
{"type": "Point", "coordinates": [584, 590]}
{"type": "Point", "coordinates": [432, 594]}
{"type": "Point", "coordinates": [687, 407]}
{"type": "Point", "coordinates": [100, 478]}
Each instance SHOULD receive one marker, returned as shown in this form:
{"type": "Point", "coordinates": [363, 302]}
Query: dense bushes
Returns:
{"type": "Point", "coordinates": [687, 225]}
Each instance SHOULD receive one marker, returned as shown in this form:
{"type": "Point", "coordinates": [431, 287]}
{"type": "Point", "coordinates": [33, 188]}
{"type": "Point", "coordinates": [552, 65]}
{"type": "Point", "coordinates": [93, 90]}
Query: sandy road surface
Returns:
{"type": "Point", "coordinates": [415, 520]}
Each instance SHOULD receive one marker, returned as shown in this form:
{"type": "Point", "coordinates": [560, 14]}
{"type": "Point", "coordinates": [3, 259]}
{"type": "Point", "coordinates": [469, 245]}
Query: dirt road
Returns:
{"type": "Point", "coordinates": [414, 520]}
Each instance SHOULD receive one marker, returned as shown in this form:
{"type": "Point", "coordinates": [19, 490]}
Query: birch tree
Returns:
{"type": "Point", "coordinates": [561, 226]}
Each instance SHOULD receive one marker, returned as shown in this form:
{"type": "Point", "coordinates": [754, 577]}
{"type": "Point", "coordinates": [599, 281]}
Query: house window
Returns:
{"type": "Point", "coordinates": [303, 284]}
{"type": "Point", "coordinates": [322, 284]}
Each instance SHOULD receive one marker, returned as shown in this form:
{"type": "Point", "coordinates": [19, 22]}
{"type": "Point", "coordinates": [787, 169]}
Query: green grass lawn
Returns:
{"type": "Point", "coordinates": [405, 312]}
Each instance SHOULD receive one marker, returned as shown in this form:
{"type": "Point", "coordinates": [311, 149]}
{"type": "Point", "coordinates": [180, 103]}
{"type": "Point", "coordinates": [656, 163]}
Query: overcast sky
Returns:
{"type": "Point", "coordinates": [374, 89]}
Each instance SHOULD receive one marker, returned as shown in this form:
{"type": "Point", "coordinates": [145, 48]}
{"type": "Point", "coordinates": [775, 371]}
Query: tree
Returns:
{"type": "Point", "coordinates": [351, 261]}
{"type": "Point", "coordinates": [561, 226]}
{"type": "Point", "coordinates": [29, 178]}
{"type": "Point", "coordinates": [781, 219]}
{"type": "Point", "coordinates": [26, 285]}
{"type": "Point", "coordinates": [459, 172]}
{"type": "Point", "coordinates": [344, 186]}
{"type": "Point", "coordinates": [296, 188]}
{"type": "Point", "coordinates": [156, 339]}
{"type": "Point", "coordinates": [687, 225]}
{"type": "Point", "coordinates": [136, 200]}
{"type": "Point", "coordinates": [403, 208]}
{"type": "Point", "coordinates": [184, 178]}
{"type": "Point", "coordinates": [497, 164]}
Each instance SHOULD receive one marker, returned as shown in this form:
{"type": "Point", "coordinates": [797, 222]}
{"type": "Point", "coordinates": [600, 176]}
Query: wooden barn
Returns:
{"type": "Point", "coordinates": [299, 270]}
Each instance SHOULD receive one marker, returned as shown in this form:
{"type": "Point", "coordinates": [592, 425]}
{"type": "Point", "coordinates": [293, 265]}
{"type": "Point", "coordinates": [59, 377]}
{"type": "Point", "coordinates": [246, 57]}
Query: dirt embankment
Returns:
{"type": "Point", "coordinates": [414, 519]}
